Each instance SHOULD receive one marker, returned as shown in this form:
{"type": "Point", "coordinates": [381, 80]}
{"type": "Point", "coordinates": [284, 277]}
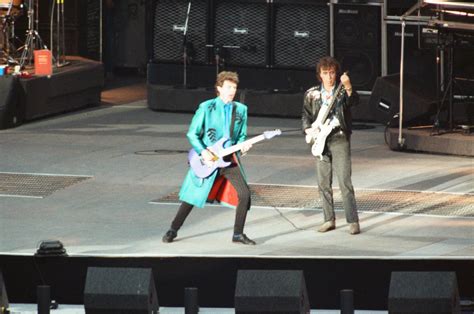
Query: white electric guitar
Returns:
{"type": "Point", "coordinates": [203, 169]}
{"type": "Point", "coordinates": [322, 127]}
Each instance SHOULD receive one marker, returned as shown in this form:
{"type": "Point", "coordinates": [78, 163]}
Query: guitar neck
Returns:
{"type": "Point", "coordinates": [237, 147]}
{"type": "Point", "coordinates": [331, 104]}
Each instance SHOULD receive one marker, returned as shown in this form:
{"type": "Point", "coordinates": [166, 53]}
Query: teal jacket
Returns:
{"type": "Point", "coordinates": [207, 127]}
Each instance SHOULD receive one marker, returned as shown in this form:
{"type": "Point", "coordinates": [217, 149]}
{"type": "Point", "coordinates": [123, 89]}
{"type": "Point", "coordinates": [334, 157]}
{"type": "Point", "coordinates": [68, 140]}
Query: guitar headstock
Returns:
{"type": "Point", "coordinates": [270, 134]}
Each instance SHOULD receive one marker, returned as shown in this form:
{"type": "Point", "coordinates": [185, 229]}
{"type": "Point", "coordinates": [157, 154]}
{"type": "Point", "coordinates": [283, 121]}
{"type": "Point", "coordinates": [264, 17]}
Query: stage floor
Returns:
{"type": "Point", "coordinates": [102, 181]}
{"type": "Point", "coordinates": [79, 309]}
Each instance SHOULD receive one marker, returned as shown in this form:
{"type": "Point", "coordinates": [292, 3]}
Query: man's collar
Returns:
{"type": "Point", "coordinates": [221, 102]}
{"type": "Point", "coordinates": [326, 91]}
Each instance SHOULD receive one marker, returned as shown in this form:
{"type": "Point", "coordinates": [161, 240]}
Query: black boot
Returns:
{"type": "Point", "coordinates": [242, 238]}
{"type": "Point", "coordinates": [169, 236]}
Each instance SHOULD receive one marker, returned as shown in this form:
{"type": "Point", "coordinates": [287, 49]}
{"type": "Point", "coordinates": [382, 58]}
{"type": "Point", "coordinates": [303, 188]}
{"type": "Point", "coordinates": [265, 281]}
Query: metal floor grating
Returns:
{"type": "Point", "coordinates": [35, 185]}
{"type": "Point", "coordinates": [389, 201]}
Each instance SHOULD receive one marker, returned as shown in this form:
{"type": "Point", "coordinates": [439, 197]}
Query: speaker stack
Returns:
{"type": "Point", "coordinates": [357, 42]}
{"type": "Point", "coordinates": [241, 31]}
{"type": "Point", "coordinates": [275, 35]}
{"type": "Point", "coordinates": [249, 33]}
{"type": "Point", "coordinates": [418, 60]}
{"type": "Point", "coordinates": [300, 33]}
{"type": "Point", "coordinates": [168, 27]}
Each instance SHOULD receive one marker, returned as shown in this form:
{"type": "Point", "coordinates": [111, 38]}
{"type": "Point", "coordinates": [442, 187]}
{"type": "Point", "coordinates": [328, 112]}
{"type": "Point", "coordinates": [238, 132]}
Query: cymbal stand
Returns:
{"type": "Point", "coordinates": [61, 43]}
{"type": "Point", "coordinates": [8, 29]}
{"type": "Point", "coordinates": [33, 39]}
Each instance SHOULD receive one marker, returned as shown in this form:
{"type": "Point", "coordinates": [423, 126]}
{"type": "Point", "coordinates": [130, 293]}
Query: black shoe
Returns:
{"type": "Point", "coordinates": [169, 236]}
{"type": "Point", "coordinates": [242, 238]}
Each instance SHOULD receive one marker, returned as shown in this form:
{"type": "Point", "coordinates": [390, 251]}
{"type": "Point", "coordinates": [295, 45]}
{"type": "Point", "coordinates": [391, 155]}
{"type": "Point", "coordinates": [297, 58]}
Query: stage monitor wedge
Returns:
{"type": "Point", "coordinates": [271, 291]}
{"type": "Point", "coordinates": [120, 291]}
{"type": "Point", "coordinates": [419, 101]}
{"type": "Point", "coordinates": [423, 292]}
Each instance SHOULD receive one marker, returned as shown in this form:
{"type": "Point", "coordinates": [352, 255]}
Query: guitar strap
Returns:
{"type": "Point", "coordinates": [231, 131]}
{"type": "Point", "coordinates": [232, 120]}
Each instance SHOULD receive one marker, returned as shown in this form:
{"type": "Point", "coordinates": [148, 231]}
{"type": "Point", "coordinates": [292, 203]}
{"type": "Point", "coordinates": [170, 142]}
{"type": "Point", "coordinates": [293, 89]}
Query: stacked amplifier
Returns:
{"type": "Point", "coordinates": [271, 34]}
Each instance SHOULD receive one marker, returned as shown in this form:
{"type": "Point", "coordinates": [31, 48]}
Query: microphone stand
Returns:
{"type": "Point", "coordinates": [220, 52]}
{"type": "Point", "coordinates": [185, 47]}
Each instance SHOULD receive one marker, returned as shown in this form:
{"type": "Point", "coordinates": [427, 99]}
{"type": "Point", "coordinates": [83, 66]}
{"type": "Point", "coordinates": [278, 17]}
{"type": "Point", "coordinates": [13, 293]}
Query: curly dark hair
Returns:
{"type": "Point", "coordinates": [327, 63]}
{"type": "Point", "coordinates": [226, 76]}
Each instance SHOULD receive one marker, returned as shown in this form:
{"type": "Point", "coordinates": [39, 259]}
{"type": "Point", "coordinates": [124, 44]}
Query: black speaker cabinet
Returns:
{"type": "Point", "coordinates": [120, 290]}
{"type": "Point", "coordinates": [357, 42]}
{"type": "Point", "coordinates": [241, 32]}
{"type": "Point", "coordinates": [3, 295]}
{"type": "Point", "coordinates": [169, 26]}
{"type": "Point", "coordinates": [463, 71]}
{"type": "Point", "coordinates": [271, 291]}
{"type": "Point", "coordinates": [418, 61]}
{"type": "Point", "coordinates": [399, 7]}
{"type": "Point", "coordinates": [423, 292]}
{"type": "Point", "coordinates": [11, 111]}
{"type": "Point", "coordinates": [419, 100]}
{"type": "Point", "coordinates": [300, 33]}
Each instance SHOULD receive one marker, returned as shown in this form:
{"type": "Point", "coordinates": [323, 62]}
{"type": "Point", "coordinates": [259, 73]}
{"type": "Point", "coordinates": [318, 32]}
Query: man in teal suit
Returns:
{"type": "Point", "coordinates": [215, 119]}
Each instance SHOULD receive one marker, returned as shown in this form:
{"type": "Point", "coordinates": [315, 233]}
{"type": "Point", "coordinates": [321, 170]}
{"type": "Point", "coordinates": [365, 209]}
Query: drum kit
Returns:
{"type": "Point", "coordinates": [12, 51]}
{"type": "Point", "coordinates": [10, 10]}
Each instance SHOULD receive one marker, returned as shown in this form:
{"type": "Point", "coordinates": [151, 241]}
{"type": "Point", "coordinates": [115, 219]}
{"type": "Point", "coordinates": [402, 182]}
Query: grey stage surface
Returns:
{"type": "Point", "coordinates": [125, 158]}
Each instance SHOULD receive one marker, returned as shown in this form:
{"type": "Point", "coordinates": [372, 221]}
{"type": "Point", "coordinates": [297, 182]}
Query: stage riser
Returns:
{"type": "Point", "coordinates": [60, 104]}
{"type": "Point", "coordinates": [370, 279]}
{"type": "Point", "coordinates": [263, 104]}
{"type": "Point", "coordinates": [11, 114]}
{"type": "Point", "coordinates": [250, 78]}
{"type": "Point", "coordinates": [260, 103]}
{"type": "Point", "coordinates": [440, 144]}
{"type": "Point", "coordinates": [65, 91]}
{"type": "Point", "coordinates": [73, 87]}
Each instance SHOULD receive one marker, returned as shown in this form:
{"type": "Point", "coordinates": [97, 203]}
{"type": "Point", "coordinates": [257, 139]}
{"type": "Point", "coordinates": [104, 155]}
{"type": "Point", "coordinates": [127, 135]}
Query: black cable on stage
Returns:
{"type": "Point", "coordinates": [291, 130]}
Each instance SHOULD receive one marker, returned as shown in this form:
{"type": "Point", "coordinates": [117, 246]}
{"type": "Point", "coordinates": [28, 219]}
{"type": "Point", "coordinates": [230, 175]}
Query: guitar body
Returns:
{"type": "Point", "coordinates": [204, 169]}
{"type": "Point", "coordinates": [320, 140]}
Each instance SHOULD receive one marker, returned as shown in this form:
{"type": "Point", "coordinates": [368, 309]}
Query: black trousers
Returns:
{"type": "Point", "coordinates": [235, 177]}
